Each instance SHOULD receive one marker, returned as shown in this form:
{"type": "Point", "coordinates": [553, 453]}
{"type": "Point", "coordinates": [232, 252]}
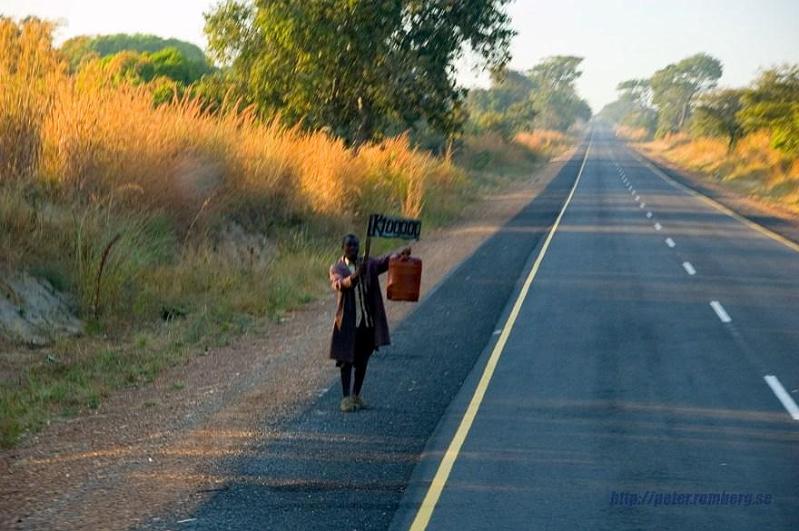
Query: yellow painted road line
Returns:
{"type": "Point", "coordinates": [718, 206]}
{"type": "Point", "coordinates": [442, 474]}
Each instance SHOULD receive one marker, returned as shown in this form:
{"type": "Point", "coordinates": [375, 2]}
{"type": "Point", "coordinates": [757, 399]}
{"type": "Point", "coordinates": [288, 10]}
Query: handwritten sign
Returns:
{"type": "Point", "coordinates": [385, 227]}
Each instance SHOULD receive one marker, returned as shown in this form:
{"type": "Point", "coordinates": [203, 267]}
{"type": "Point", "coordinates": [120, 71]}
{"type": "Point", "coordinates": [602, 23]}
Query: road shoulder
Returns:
{"type": "Point", "coordinates": [347, 471]}
{"type": "Point", "coordinates": [159, 447]}
{"type": "Point", "coordinates": [773, 217]}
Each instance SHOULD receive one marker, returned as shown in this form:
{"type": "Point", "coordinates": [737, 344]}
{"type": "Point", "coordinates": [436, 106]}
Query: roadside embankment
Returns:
{"type": "Point", "coordinates": [775, 212]}
{"type": "Point", "coordinates": [174, 230]}
{"type": "Point", "coordinates": [752, 168]}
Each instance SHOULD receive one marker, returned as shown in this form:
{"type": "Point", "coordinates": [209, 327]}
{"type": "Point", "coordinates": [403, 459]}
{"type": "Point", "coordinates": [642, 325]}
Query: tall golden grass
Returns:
{"type": "Point", "coordinates": [102, 160]}
{"type": "Point", "coordinates": [28, 70]}
{"type": "Point", "coordinates": [753, 167]}
{"type": "Point", "coordinates": [544, 142]}
{"type": "Point", "coordinates": [490, 151]}
{"type": "Point", "coordinates": [206, 220]}
{"type": "Point", "coordinates": [633, 134]}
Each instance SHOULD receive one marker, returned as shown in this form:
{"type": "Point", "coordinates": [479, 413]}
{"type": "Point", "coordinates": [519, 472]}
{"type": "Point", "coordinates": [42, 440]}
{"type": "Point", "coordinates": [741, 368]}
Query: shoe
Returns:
{"type": "Point", "coordinates": [347, 404]}
{"type": "Point", "coordinates": [360, 403]}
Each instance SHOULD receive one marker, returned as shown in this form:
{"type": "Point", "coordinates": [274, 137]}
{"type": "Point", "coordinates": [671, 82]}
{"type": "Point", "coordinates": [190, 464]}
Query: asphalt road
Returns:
{"type": "Point", "coordinates": [328, 470]}
{"type": "Point", "coordinates": [631, 392]}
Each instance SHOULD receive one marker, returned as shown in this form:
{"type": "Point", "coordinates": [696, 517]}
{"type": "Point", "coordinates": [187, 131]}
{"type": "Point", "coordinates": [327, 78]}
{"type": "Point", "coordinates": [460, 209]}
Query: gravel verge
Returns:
{"type": "Point", "coordinates": [154, 456]}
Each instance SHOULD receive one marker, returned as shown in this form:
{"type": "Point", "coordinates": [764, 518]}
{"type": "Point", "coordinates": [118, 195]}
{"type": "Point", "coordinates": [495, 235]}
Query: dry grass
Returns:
{"type": "Point", "coordinates": [491, 153]}
{"type": "Point", "coordinates": [753, 167]}
{"type": "Point", "coordinates": [544, 142]}
{"type": "Point", "coordinates": [212, 219]}
{"type": "Point", "coordinates": [87, 158]}
{"type": "Point", "coordinates": [633, 134]}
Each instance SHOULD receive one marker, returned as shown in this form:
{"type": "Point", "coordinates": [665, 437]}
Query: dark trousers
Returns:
{"type": "Point", "coordinates": [364, 346]}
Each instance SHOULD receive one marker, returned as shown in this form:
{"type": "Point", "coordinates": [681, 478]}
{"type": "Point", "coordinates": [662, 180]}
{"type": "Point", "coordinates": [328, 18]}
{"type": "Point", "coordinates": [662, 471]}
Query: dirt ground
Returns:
{"type": "Point", "coordinates": [157, 448]}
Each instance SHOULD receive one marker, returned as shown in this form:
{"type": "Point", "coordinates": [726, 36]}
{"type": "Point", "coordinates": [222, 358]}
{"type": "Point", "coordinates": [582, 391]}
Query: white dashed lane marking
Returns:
{"type": "Point", "coordinates": [782, 396]}
{"type": "Point", "coordinates": [720, 311]}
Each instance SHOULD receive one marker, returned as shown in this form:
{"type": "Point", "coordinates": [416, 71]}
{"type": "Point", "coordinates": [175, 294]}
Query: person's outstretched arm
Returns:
{"type": "Point", "coordinates": [382, 262]}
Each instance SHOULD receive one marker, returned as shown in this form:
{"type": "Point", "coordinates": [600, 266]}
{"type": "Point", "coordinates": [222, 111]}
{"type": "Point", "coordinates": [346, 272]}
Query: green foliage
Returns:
{"type": "Point", "coordinates": [663, 103]}
{"type": "Point", "coordinates": [772, 103]}
{"type": "Point", "coordinates": [554, 96]}
{"type": "Point", "coordinates": [717, 115]}
{"type": "Point", "coordinates": [785, 136]}
{"type": "Point", "coordinates": [171, 63]}
{"type": "Point", "coordinates": [147, 56]}
{"type": "Point", "coordinates": [167, 71]}
{"type": "Point", "coordinates": [544, 98]}
{"type": "Point", "coordinates": [675, 87]}
{"type": "Point", "coordinates": [633, 108]}
{"type": "Point", "coordinates": [506, 108]}
{"type": "Point", "coordinates": [128, 67]}
{"type": "Point", "coordinates": [77, 49]}
{"type": "Point", "coordinates": [213, 91]}
{"type": "Point", "coordinates": [358, 67]}
{"type": "Point", "coordinates": [104, 45]}
{"type": "Point", "coordinates": [75, 381]}
{"type": "Point", "coordinates": [557, 73]}
{"type": "Point", "coordinates": [107, 204]}
{"type": "Point", "coordinates": [615, 111]}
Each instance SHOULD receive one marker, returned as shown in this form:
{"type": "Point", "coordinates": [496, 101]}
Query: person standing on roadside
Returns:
{"type": "Point", "coordinates": [360, 325]}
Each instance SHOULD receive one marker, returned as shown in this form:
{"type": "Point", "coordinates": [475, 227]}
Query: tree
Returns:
{"type": "Point", "coordinates": [134, 67]}
{"type": "Point", "coordinates": [615, 111]}
{"type": "Point", "coordinates": [554, 96]}
{"type": "Point", "coordinates": [638, 91]}
{"type": "Point", "coordinates": [185, 61]}
{"type": "Point", "coordinates": [215, 93]}
{"type": "Point", "coordinates": [557, 73]}
{"type": "Point", "coordinates": [356, 66]}
{"type": "Point", "coordinates": [716, 114]}
{"type": "Point", "coordinates": [126, 67]}
{"type": "Point", "coordinates": [545, 97]}
{"type": "Point", "coordinates": [104, 45]}
{"type": "Point", "coordinates": [675, 87]}
{"type": "Point", "coordinates": [633, 107]}
{"type": "Point", "coordinates": [76, 50]}
{"type": "Point", "coordinates": [773, 103]}
{"type": "Point", "coordinates": [505, 108]}
{"type": "Point", "coordinates": [508, 87]}
{"type": "Point", "coordinates": [170, 62]}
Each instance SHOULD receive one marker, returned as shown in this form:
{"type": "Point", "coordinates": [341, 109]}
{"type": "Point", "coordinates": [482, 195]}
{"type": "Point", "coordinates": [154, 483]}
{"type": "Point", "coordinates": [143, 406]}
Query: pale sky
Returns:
{"type": "Point", "coordinates": [620, 39]}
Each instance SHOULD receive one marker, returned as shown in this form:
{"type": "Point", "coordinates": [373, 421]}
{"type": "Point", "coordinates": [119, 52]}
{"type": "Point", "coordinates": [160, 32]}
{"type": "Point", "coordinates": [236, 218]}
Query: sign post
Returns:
{"type": "Point", "coordinates": [381, 226]}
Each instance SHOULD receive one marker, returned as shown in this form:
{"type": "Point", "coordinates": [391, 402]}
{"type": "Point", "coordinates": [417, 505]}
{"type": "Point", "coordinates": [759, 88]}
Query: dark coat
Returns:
{"type": "Point", "coordinates": [342, 344]}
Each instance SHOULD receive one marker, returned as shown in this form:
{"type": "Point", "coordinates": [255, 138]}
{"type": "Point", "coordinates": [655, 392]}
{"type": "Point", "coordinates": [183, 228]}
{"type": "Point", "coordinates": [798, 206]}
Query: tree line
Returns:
{"type": "Point", "coordinates": [544, 97]}
{"type": "Point", "coordinates": [149, 56]}
{"type": "Point", "coordinates": [361, 69]}
{"type": "Point", "coordinates": [685, 97]}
